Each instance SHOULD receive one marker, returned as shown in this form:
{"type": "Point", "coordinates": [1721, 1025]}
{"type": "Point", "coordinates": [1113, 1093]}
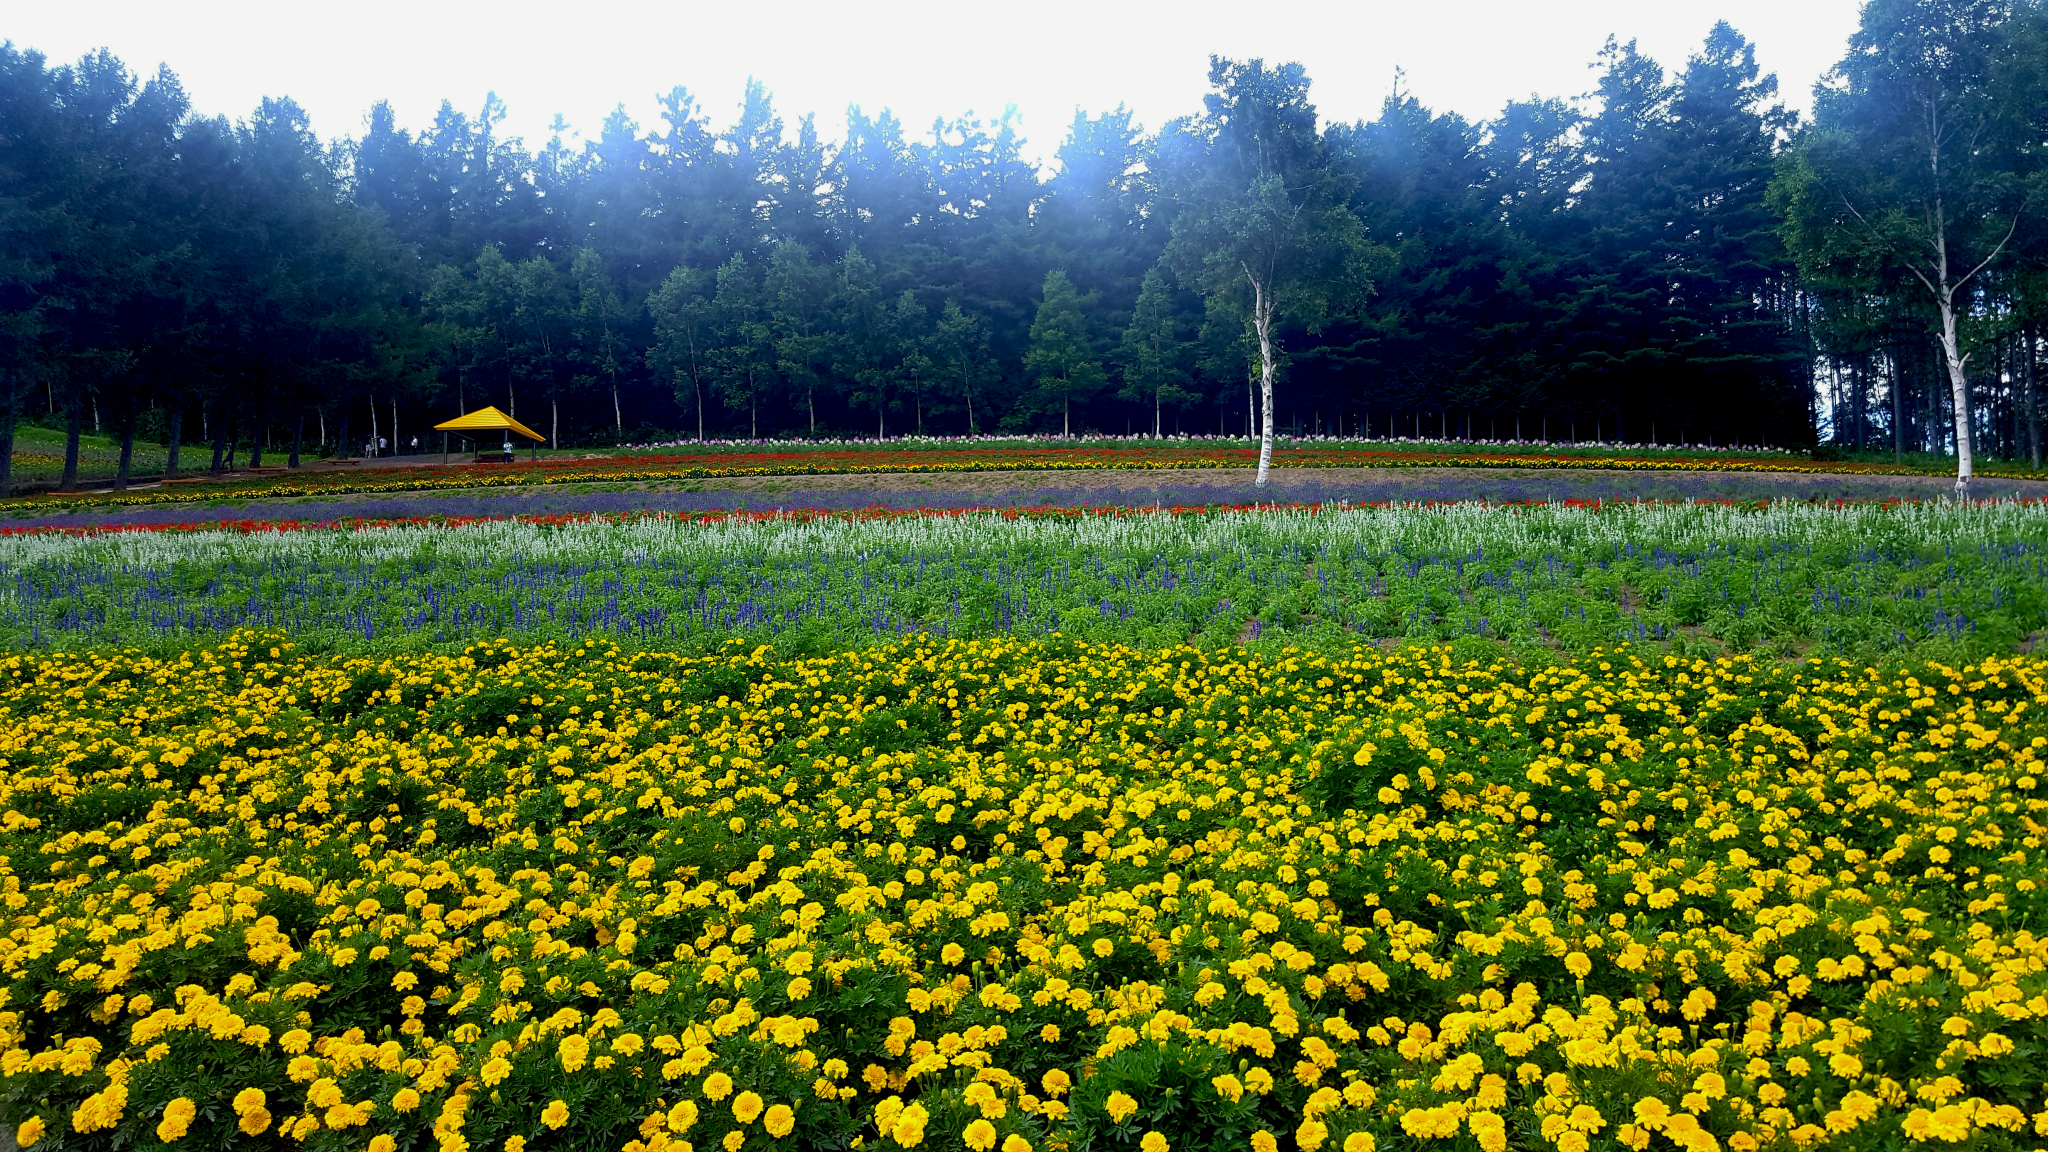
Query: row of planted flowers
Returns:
{"type": "Point", "coordinates": [887, 512]}
{"type": "Point", "coordinates": [1018, 895]}
{"type": "Point", "coordinates": [660, 469]}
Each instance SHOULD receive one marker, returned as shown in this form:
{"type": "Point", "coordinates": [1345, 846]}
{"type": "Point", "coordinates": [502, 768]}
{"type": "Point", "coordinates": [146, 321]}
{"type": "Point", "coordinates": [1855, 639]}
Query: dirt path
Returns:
{"type": "Point", "coordinates": [1027, 489]}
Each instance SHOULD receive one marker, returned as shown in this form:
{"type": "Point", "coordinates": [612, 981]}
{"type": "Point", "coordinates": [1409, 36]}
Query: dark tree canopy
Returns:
{"type": "Point", "coordinates": [1671, 257]}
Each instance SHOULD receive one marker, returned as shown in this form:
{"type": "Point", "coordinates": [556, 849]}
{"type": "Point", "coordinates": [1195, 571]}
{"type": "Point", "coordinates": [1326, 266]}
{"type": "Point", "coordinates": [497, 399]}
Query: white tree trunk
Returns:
{"type": "Point", "coordinates": [1959, 391]}
{"type": "Point", "coordinates": [1952, 356]}
{"type": "Point", "coordinates": [554, 423]}
{"type": "Point", "coordinates": [618, 417]}
{"type": "Point", "coordinates": [1262, 323]}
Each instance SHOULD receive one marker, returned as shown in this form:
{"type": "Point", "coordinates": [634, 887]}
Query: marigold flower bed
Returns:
{"type": "Point", "coordinates": [1010, 894]}
{"type": "Point", "coordinates": [854, 461]}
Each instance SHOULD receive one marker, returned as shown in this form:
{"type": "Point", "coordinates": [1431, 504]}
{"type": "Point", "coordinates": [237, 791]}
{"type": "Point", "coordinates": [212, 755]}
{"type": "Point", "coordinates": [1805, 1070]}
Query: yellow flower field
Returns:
{"type": "Point", "coordinates": [1018, 895]}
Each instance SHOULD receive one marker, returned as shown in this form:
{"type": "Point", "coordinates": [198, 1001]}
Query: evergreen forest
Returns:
{"type": "Point", "coordinates": [1672, 256]}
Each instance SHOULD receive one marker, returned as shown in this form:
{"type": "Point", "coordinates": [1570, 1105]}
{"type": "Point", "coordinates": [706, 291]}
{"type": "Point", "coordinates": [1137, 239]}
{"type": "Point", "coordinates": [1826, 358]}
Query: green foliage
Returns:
{"type": "Point", "coordinates": [1062, 355]}
{"type": "Point", "coordinates": [1618, 273]}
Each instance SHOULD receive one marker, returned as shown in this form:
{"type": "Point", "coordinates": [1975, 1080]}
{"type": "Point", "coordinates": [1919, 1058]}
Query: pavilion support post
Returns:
{"type": "Point", "coordinates": [444, 448]}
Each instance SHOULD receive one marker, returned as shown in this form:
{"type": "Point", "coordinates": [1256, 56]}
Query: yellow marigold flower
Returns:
{"type": "Point", "coordinates": [746, 1107]}
{"type": "Point", "coordinates": [1015, 1143]}
{"type": "Point", "coordinates": [909, 1127]}
{"type": "Point", "coordinates": [255, 1121]}
{"type": "Point", "coordinates": [495, 1070]}
{"type": "Point", "coordinates": [780, 1121]}
{"type": "Point", "coordinates": [1310, 1135]}
{"type": "Point", "coordinates": [682, 1116]}
{"type": "Point", "coordinates": [177, 1118]}
{"type": "Point", "coordinates": [404, 1100]}
{"type": "Point", "coordinates": [980, 1135]}
{"type": "Point", "coordinates": [1154, 1142]}
{"type": "Point", "coordinates": [1360, 1142]}
{"type": "Point", "coordinates": [555, 1115]}
{"type": "Point", "coordinates": [1578, 964]}
{"type": "Point", "coordinates": [573, 1051]}
{"type": "Point", "coordinates": [1120, 1106]}
{"type": "Point", "coordinates": [1055, 1082]}
{"type": "Point", "coordinates": [1264, 1141]}
{"type": "Point", "coordinates": [30, 1132]}
{"type": "Point", "coordinates": [383, 1142]}
{"type": "Point", "coordinates": [717, 1086]}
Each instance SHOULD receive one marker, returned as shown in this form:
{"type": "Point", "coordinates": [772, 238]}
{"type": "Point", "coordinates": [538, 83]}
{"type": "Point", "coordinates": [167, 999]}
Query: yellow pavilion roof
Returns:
{"type": "Point", "coordinates": [487, 419]}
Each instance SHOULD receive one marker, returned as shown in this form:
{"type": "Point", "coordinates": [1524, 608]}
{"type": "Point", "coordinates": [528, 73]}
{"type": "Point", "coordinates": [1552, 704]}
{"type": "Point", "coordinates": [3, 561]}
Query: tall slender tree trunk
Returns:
{"type": "Point", "coordinates": [1155, 413]}
{"type": "Point", "coordinates": [220, 440]}
{"type": "Point", "coordinates": [8, 416]}
{"type": "Point", "coordinates": [554, 422]}
{"type": "Point", "coordinates": [618, 413]}
{"type": "Point", "coordinates": [256, 442]}
{"type": "Point", "coordinates": [177, 429]}
{"type": "Point", "coordinates": [373, 422]}
{"type": "Point", "coordinates": [1958, 384]}
{"type": "Point", "coordinates": [121, 471]}
{"type": "Point", "coordinates": [74, 418]}
{"type": "Point", "coordinates": [394, 423]}
{"type": "Point", "coordinates": [1262, 324]}
{"type": "Point", "coordinates": [1898, 409]}
{"type": "Point", "coordinates": [699, 386]}
{"type": "Point", "coordinates": [298, 438]}
{"type": "Point", "coordinates": [2029, 378]}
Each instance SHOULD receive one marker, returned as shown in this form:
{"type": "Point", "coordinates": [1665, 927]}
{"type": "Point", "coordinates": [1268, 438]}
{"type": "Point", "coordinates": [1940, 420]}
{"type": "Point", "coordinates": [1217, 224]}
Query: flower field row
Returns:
{"type": "Point", "coordinates": [1016, 894]}
{"type": "Point", "coordinates": [843, 461]}
{"type": "Point", "coordinates": [1944, 580]}
{"type": "Point", "coordinates": [1209, 440]}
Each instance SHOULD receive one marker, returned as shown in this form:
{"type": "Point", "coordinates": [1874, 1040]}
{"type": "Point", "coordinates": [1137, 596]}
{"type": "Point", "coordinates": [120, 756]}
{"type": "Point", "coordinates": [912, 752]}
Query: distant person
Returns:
{"type": "Point", "coordinates": [415, 446]}
{"type": "Point", "coordinates": [382, 445]}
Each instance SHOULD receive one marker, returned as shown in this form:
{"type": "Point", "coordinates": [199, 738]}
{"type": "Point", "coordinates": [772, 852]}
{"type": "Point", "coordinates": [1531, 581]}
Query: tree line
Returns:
{"type": "Point", "coordinates": [1674, 257]}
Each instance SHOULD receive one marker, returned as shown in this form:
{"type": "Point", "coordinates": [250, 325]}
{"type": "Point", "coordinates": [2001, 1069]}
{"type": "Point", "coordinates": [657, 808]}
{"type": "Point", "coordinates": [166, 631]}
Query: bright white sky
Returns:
{"type": "Point", "coordinates": [917, 57]}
